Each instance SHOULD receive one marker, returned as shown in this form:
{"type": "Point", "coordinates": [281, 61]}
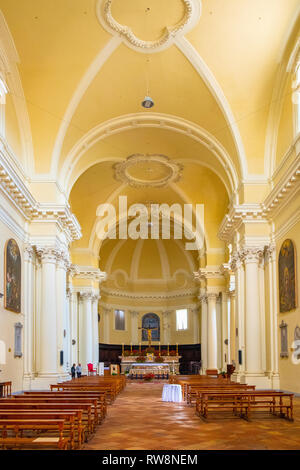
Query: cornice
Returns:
{"type": "Point", "coordinates": [210, 272]}
{"type": "Point", "coordinates": [147, 296]}
{"type": "Point", "coordinates": [264, 212]}
{"type": "Point", "coordinates": [19, 195]}
{"type": "Point", "coordinates": [88, 272]}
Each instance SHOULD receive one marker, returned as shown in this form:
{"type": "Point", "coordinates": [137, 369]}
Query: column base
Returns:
{"type": "Point", "coordinates": [43, 381]}
{"type": "Point", "coordinates": [259, 379]}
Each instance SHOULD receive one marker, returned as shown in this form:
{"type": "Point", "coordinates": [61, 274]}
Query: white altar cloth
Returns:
{"type": "Point", "coordinates": [172, 392]}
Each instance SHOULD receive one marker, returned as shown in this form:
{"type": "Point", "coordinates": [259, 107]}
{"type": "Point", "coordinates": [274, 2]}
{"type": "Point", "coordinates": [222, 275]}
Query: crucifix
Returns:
{"type": "Point", "coordinates": [149, 333]}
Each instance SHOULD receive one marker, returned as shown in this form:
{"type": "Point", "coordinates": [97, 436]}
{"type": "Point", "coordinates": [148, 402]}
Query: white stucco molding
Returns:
{"type": "Point", "coordinates": [145, 120]}
{"type": "Point", "coordinates": [17, 192]}
{"type": "Point", "coordinates": [89, 272]}
{"type": "Point", "coordinates": [192, 11]}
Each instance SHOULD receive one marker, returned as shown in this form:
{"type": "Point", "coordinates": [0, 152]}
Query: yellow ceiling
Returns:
{"type": "Point", "coordinates": [240, 42]}
{"type": "Point", "coordinates": [217, 81]}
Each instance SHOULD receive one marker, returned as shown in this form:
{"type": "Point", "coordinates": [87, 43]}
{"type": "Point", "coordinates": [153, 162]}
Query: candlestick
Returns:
{"type": "Point", "coordinates": [159, 347]}
{"type": "Point", "coordinates": [176, 349]}
{"type": "Point", "coordinates": [122, 349]}
{"type": "Point", "coordinates": [168, 349]}
{"type": "Point", "coordinates": [130, 347]}
{"type": "Point", "coordinates": [140, 347]}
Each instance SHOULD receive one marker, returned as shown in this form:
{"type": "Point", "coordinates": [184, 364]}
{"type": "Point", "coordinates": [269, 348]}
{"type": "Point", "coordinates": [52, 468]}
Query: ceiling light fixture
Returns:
{"type": "Point", "coordinates": [148, 102]}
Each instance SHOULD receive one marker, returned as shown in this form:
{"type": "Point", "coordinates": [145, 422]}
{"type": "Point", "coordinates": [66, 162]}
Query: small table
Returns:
{"type": "Point", "coordinates": [172, 392]}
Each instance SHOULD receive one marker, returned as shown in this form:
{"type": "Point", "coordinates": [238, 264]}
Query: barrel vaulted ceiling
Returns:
{"type": "Point", "coordinates": [85, 66]}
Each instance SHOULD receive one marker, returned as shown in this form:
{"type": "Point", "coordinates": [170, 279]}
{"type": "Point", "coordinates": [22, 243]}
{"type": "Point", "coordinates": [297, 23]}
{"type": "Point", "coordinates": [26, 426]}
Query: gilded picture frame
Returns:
{"type": "Point", "coordinates": [287, 277]}
{"type": "Point", "coordinates": [12, 276]}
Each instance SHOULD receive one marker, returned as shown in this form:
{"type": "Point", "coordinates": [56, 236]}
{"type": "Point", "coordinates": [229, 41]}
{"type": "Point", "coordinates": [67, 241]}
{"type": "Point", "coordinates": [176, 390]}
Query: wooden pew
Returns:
{"type": "Point", "coordinates": [16, 426]}
{"type": "Point", "coordinates": [73, 421]}
{"type": "Point", "coordinates": [57, 406]}
{"type": "Point", "coordinates": [100, 396]}
{"type": "Point", "coordinates": [246, 401]}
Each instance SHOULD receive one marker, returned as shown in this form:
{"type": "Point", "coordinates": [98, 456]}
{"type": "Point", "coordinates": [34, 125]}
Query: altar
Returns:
{"type": "Point", "coordinates": [157, 369]}
{"type": "Point", "coordinates": [169, 362]}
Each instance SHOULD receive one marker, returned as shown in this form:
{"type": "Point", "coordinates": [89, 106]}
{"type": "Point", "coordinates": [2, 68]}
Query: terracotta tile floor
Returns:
{"type": "Point", "coordinates": [139, 420]}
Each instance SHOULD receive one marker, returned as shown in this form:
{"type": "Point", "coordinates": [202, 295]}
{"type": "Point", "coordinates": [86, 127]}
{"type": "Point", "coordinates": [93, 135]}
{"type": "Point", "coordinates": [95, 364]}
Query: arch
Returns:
{"type": "Point", "coordinates": [8, 60]}
{"type": "Point", "coordinates": [96, 242]}
{"type": "Point", "coordinates": [151, 320]}
{"type": "Point", "coordinates": [139, 120]}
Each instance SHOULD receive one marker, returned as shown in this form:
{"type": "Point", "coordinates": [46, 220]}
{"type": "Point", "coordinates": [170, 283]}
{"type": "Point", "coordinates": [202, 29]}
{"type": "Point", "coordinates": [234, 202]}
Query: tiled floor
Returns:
{"type": "Point", "coordinates": [138, 419]}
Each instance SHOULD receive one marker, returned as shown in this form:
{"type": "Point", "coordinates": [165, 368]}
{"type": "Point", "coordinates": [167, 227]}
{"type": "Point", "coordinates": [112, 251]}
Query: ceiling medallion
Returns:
{"type": "Point", "coordinates": [192, 10]}
{"type": "Point", "coordinates": [148, 170]}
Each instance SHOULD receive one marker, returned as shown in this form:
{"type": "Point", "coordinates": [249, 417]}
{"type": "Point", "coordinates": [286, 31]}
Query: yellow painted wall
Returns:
{"type": "Point", "coordinates": [12, 128]}
{"type": "Point", "coordinates": [119, 337]}
{"type": "Point", "coordinates": [289, 372]}
{"type": "Point", "coordinates": [13, 369]}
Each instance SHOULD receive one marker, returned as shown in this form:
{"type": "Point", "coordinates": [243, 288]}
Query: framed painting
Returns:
{"type": "Point", "coordinates": [287, 277]}
{"type": "Point", "coordinates": [12, 277]}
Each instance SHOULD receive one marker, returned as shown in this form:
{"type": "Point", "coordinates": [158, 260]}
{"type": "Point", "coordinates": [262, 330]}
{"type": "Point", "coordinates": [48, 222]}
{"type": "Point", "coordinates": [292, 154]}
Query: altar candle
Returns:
{"type": "Point", "coordinates": [159, 347]}
{"type": "Point", "coordinates": [130, 347]}
{"type": "Point", "coordinates": [168, 349]}
{"type": "Point", "coordinates": [140, 347]}
{"type": "Point", "coordinates": [176, 349]}
{"type": "Point", "coordinates": [122, 349]}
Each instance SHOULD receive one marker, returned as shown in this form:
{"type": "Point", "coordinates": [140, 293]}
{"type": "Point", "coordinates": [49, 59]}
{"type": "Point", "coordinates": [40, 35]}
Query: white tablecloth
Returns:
{"type": "Point", "coordinates": [172, 392]}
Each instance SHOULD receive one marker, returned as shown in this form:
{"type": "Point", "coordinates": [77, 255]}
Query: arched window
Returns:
{"type": "Point", "coordinates": [151, 320]}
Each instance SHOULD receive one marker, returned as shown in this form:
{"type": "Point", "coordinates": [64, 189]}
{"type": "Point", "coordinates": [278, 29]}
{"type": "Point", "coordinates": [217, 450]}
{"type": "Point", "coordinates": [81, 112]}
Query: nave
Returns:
{"type": "Point", "coordinates": [139, 420]}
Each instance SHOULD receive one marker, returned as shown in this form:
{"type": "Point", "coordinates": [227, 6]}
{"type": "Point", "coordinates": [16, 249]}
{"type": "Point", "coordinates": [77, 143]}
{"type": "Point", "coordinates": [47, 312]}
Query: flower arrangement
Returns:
{"type": "Point", "coordinates": [148, 377]}
{"type": "Point", "coordinates": [134, 353]}
{"type": "Point", "coordinates": [143, 353]}
{"type": "Point", "coordinates": [159, 359]}
{"type": "Point", "coordinates": [127, 353]}
{"type": "Point", "coordinates": [164, 352]}
{"type": "Point", "coordinates": [140, 359]}
{"type": "Point", "coordinates": [173, 353]}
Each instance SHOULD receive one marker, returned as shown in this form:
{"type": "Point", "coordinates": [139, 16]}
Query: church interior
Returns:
{"type": "Point", "coordinates": [149, 224]}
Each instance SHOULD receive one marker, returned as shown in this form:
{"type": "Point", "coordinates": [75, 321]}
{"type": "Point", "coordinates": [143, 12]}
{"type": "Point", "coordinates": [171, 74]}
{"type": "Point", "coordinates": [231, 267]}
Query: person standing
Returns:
{"type": "Point", "coordinates": [73, 371]}
{"type": "Point", "coordinates": [78, 371]}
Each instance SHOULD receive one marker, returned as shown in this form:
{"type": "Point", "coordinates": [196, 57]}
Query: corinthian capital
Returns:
{"type": "Point", "coordinates": [252, 254]}
{"type": "Point", "coordinates": [235, 261]}
{"type": "Point", "coordinates": [48, 255]}
{"type": "Point", "coordinates": [28, 252]}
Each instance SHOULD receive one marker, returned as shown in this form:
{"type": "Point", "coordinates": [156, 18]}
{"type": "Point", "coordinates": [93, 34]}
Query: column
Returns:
{"type": "Point", "coordinates": [166, 326]}
{"type": "Point", "coordinates": [212, 347]}
{"type": "Point", "coordinates": [238, 336]}
{"type": "Point", "coordinates": [74, 327]}
{"type": "Point", "coordinates": [95, 330]}
{"type": "Point", "coordinates": [195, 318]}
{"type": "Point", "coordinates": [253, 355]}
{"type": "Point", "coordinates": [48, 357]}
{"type": "Point", "coordinates": [68, 329]}
{"type": "Point", "coordinates": [232, 345]}
{"type": "Point", "coordinates": [106, 314]}
{"type": "Point", "coordinates": [29, 280]}
{"type": "Point", "coordinates": [272, 268]}
{"type": "Point", "coordinates": [86, 330]}
{"type": "Point", "coordinates": [225, 331]}
{"type": "Point", "coordinates": [61, 311]}
{"type": "Point", "coordinates": [203, 299]}
{"type": "Point", "coordinates": [134, 327]}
